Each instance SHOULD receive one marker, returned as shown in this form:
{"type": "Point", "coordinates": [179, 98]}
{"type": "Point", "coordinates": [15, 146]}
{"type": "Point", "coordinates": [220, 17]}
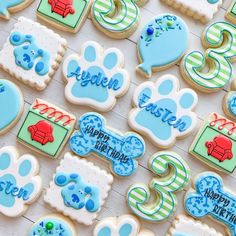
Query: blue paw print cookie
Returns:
{"type": "Point", "coordinates": [120, 150]}
{"type": "Point", "coordinates": [19, 181]}
{"type": "Point", "coordinates": [95, 77]}
{"type": "Point", "coordinates": [162, 112]}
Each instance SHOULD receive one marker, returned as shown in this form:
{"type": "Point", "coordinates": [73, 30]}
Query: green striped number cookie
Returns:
{"type": "Point", "coordinates": [116, 18]}
{"type": "Point", "coordinates": [220, 39]}
{"type": "Point", "coordinates": [164, 205]}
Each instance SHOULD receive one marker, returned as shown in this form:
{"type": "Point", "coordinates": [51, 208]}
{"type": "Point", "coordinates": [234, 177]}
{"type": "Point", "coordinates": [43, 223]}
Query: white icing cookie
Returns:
{"type": "Point", "coordinates": [202, 10]}
{"type": "Point", "coordinates": [95, 77]}
{"type": "Point", "coordinates": [184, 226]}
{"type": "Point", "coordinates": [32, 53]}
{"type": "Point", "coordinates": [120, 226]}
{"type": "Point", "coordinates": [20, 184]}
{"type": "Point", "coordinates": [79, 189]}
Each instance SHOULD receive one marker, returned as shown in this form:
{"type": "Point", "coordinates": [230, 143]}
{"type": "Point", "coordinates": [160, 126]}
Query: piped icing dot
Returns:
{"type": "Point", "coordinates": [49, 225]}
{"type": "Point", "coordinates": [150, 31]}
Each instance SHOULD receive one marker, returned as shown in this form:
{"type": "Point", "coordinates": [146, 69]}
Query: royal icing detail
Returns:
{"type": "Point", "coordinates": [120, 226]}
{"type": "Point", "coordinates": [164, 205]}
{"type": "Point", "coordinates": [11, 103]}
{"type": "Point", "coordinates": [185, 226]}
{"type": "Point", "coordinates": [202, 10]}
{"type": "Point", "coordinates": [46, 128]}
{"type": "Point", "coordinates": [95, 78]}
{"type": "Point", "coordinates": [70, 17]}
{"type": "Point", "coordinates": [215, 143]}
{"type": "Point", "coordinates": [28, 56]}
{"type": "Point", "coordinates": [117, 19]}
{"type": "Point", "coordinates": [156, 50]}
{"type": "Point", "coordinates": [7, 6]}
{"type": "Point", "coordinates": [120, 150]}
{"type": "Point", "coordinates": [220, 42]}
{"type": "Point", "coordinates": [52, 225]}
{"type": "Point", "coordinates": [211, 199]}
{"type": "Point", "coordinates": [229, 105]}
{"type": "Point", "coordinates": [20, 184]}
{"type": "Point", "coordinates": [81, 189]}
{"type": "Point", "coordinates": [162, 112]}
{"type": "Point", "coordinates": [231, 13]}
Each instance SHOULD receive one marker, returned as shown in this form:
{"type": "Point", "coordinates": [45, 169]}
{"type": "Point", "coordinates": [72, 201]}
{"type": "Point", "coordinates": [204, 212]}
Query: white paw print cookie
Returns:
{"type": "Point", "coordinates": [20, 184]}
{"type": "Point", "coordinates": [162, 111]}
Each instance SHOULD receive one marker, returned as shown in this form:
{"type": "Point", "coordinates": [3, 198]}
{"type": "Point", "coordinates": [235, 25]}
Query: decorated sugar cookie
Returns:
{"type": "Point", "coordinates": [117, 19]}
{"type": "Point", "coordinates": [202, 10]}
{"type": "Point", "coordinates": [46, 128]}
{"type": "Point", "coordinates": [20, 184]}
{"type": "Point", "coordinates": [69, 18]}
{"type": "Point", "coordinates": [12, 103]}
{"type": "Point", "coordinates": [184, 226]}
{"type": "Point", "coordinates": [11, 6]}
{"type": "Point", "coordinates": [231, 12]}
{"type": "Point", "coordinates": [78, 189]}
{"type": "Point", "coordinates": [162, 112]}
{"type": "Point", "coordinates": [219, 40]}
{"type": "Point", "coordinates": [120, 226]}
{"type": "Point", "coordinates": [174, 175]}
{"type": "Point", "coordinates": [95, 77]}
{"type": "Point", "coordinates": [210, 198]}
{"type": "Point", "coordinates": [229, 105]}
{"type": "Point", "coordinates": [215, 143]}
{"type": "Point", "coordinates": [156, 50]}
{"type": "Point", "coordinates": [53, 225]}
{"type": "Point", "coordinates": [121, 151]}
{"type": "Point", "coordinates": [32, 53]}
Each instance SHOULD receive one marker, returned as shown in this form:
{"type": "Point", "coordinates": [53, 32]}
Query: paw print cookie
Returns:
{"type": "Point", "coordinates": [95, 77]}
{"type": "Point", "coordinates": [11, 103]}
{"type": "Point", "coordinates": [162, 112]}
{"type": "Point", "coordinates": [19, 180]}
{"type": "Point", "coordinates": [124, 225]}
{"type": "Point", "coordinates": [120, 150]}
{"type": "Point", "coordinates": [78, 189]}
{"type": "Point", "coordinates": [32, 53]}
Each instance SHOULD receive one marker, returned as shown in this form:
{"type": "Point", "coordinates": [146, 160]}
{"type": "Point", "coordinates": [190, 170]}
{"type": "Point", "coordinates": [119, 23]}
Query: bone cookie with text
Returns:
{"type": "Point", "coordinates": [125, 225]}
{"type": "Point", "coordinates": [117, 19]}
{"type": "Point", "coordinates": [79, 189]}
{"type": "Point", "coordinates": [69, 18]}
{"type": "Point", "coordinates": [32, 53]}
{"type": "Point", "coordinates": [210, 198]}
{"type": "Point", "coordinates": [156, 50]}
{"type": "Point", "coordinates": [172, 174]}
{"type": "Point", "coordinates": [163, 112]}
{"type": "Point", "coordinates": [11, 103]}
{"type": "Point", "coordinates": [53, 225]}
{"type": "Point", "coordinates": [215, 143]}
{"type": "Point", "coordinates": [11, 6]}
{"type": "Point", "coordinates": [19, 180]}
{"type": "Point", "coordinates": [120, 150]}
{"type": "Point", "coordinates": [46, 128]}
{"type": "Point", "coordinates": [219, 39]}
{"type": "Point", "coordinates": [185, 225]}
{"type": "Point", "coordinates": [95, 77]}
{"type": "Point", "coordinates": [202, 10]}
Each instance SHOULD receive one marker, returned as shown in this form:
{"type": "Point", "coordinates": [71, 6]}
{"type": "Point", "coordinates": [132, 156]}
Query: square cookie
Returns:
{"type": "Point", "coordinates": [46, 128]}
{"type": "Point", "coordinates": [32, 53]}
{"type": "Point", "coordinates": [78, 189]}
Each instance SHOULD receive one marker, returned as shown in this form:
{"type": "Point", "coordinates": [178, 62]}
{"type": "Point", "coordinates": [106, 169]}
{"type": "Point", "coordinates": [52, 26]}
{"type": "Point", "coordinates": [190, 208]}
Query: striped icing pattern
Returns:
{"type": "Point", "coordinates": [165, 205]}
{"type": "Point", "coordinates": [103, 11]}
{"type": "Point", "coordinates": [220, 58]}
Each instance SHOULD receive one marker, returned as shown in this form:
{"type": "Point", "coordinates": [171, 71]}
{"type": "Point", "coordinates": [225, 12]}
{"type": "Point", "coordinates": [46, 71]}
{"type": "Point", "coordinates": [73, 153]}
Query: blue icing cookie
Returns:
{"type": "Point", "coordinates": [6, 4]}
{"type": "Point", "coordinates": [229, 104]}
{"type": "Point", "coordinates": [11, 102]}
{"type": "Point", "coordinates": [163, 42]}
{"type": "Point", "coordinates": [211, 199]}
{"type": "Point", "coordinates": [120, 150]}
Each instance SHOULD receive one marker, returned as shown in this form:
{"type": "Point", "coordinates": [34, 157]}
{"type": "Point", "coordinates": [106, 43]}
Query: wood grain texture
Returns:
{"type": "Point", "coordinates": [117, 118]}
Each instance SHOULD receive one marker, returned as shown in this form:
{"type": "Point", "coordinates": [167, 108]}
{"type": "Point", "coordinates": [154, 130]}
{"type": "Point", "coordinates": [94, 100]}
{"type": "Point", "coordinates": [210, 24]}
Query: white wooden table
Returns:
{"type": "Point", "coordinates": [117, 118]}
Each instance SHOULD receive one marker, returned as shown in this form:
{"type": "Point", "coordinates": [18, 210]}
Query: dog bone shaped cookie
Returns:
{"type": "Point", "coordinates": [120, 150]}
{"type": "Point", "coordinates": [212, 199]}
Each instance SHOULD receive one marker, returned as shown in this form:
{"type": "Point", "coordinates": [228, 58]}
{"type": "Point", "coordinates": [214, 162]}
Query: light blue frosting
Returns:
{"type": "Point", "coordinates": [5, 4]}
{"type": "Point", "coordinates": [232, 104]}
{"type": "Point", "coordinates": [213, 1]}
{"type": "Point", "coordinates": [125, 230]}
